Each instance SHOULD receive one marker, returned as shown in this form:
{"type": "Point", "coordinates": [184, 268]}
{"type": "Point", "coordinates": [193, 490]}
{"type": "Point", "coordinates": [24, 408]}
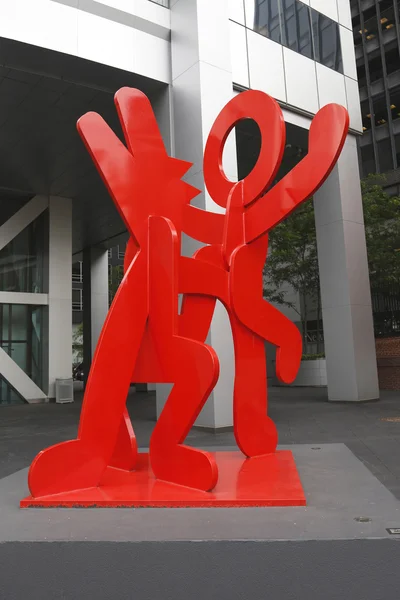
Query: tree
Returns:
{"type": "Point", "coordinates": [293, 260]}
{"type": "Point", "coordinates": [77, 343]}
{"type": "Point", "coordinates": [293, 257]}
{"type": "Point", "coordinates": [382, 231]}
{"type": "Point", "coordinates": [116, 274]}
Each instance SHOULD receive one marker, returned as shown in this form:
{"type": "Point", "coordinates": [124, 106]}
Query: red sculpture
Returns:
{"type": "Point", "coordinates": [157, 344]}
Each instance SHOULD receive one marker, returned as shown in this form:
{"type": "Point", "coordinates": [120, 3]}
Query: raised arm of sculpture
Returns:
{"type": "Point", "coordinates": [328, 133]}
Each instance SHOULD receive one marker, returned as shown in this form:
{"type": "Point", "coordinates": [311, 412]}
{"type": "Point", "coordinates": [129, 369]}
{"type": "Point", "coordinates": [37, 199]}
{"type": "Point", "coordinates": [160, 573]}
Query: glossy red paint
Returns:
{"type": "Point", "coordinates": [157, 344]}
{"type": "Point", "coordinates": [269, 480]}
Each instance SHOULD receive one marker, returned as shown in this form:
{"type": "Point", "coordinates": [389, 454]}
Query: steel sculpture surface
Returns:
{"type": "Point", "coordinates": [155, 342]}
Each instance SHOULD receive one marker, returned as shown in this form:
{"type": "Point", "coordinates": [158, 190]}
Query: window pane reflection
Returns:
{"type": "Point", "coordinates": [21, 261]}
{"type": "Point", "coordinates": [263, 16]}
{"type": "Point", "coordinates": [21, 328]}
{"type": "Point", "coordinates": [327, 41]}
{"type": "Point", "coordinates": [7, 394]}
{"type": "Point", "coordinates": [298, 27]}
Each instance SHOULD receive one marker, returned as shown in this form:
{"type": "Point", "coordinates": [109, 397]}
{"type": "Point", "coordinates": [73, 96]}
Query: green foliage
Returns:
{"type": "Point", "coordinates": [313, 356]}
{"type": "Point", "coordinates": [116, 274]}
{"type": "Point", "coordinates": [293, 257]}
{"type": "Point", "coordinates": [382, 230]}
{"type": "Point", "coordinates": [77, 343]}
{"type": "Point", "coordinates": [293, 260]}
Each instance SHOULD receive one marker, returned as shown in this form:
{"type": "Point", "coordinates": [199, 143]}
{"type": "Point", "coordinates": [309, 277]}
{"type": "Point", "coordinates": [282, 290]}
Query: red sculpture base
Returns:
{"type": "Point", "coordinates": [270, 480]}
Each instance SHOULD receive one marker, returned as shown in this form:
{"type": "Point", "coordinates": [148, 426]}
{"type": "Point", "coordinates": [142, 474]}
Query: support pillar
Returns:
{"type": "Point", "coordinates": [201, 86]}
{"type": "Point", "coordinates": [95, 300]}
{"type": "Point", "coordinates": [345, 289]}
{"type": "Point", "coordinates": [60, 292]}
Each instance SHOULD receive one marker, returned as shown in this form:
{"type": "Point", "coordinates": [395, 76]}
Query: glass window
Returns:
{"type": "Point", "coordinates": [388, 18]}
{"type": "Point", "coordinates": [304, 30]}
{"type": "Point", "coordinates": [385, 155]}
{"type": "Point", "coordinates": [366, 115]}
{"type": "Point", "coordinates": [370, 25]}
{"type": "Point", "coordinates": [296, 23]}
{"type": "Point", "coordinates": [77, 272]}
{"type": "Point", "coordinates": [380, 111]}
{"type": "Point", "coordinates": [368, 160]}
{"type": "Point", "coordinates": [297, 26]}
{"type": "Point", "coordinates": [395, 103]}
{"type": "Point", "coordinates": [375, 68]}
{"type": "Point", "coordinates": [263, 16]}
{"type": "Point", "coordinates": [76, 299]}
{"type": "Point", "coordinates": [7, 394]}
{"type": "Point", "coordinates": [361, 75]}
{"type": "Point", "coordinates": [21, 326]}
{"type": "Point", "coordinates": [327, 47]}
{"type": "Point", "coordinates": [21, 261]}
{"type": "Point", "coordinates": [289, 24]}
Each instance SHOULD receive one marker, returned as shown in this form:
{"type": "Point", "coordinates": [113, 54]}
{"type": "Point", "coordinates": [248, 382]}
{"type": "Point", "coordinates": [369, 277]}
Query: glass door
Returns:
{"type": "Point", "coordinates": [21, 337]}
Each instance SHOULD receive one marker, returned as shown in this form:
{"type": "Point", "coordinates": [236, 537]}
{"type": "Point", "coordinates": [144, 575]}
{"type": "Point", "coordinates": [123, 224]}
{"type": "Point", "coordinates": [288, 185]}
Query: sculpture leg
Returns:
{"type": "Point", "coordinates": [195, 374]}
{"type": "Point", "coordinates": [273, 326]}
{"type": "Point", "coordinates": [192, 367]}
{"type": "Point", "coordinates": [255, 432]}
{"type": "Point", "coordinates": [260, 316]}
{"type": "Point", "coordinates": [80, 463]}
{"type": "Point", "coordinates": [126, 451]}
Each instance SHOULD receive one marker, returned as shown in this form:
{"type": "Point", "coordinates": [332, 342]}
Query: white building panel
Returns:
{"type": "Point", "coordinates": [353, 104]}
{"type": "Point", "coordinates": [266, 65]}
{"type": "Point", "coordinates": [301, 81]}
{"type": "Point", "coordinates": [326, 7]}
{"type": "Point", "coordinates": [348, 54]}
{"type": "Point", "coordinates": [236, 11]}
{"type": "Point", "coordinates": [331, 86]}
{"type": "Point", "coordinates": [151, 56]}
{"type": "Point", "coordinates": [126, 34]}
{"type": "Point", "coordinates": [213, 48]}
{"type": "Point", "coordinates": [344, 13]}
{"type": "Point", "coordinates": [240, 66]}
{"type": "Point", "coordinates": [41, 23]}
{"type": "Point", "coordinates": [105, 41]}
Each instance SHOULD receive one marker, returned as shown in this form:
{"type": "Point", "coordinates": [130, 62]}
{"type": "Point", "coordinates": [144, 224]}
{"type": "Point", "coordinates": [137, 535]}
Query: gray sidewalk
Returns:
{"type": "Point", "coordinates": [302, 415]}
{"type": "Point", "coordinates": [338, 546]}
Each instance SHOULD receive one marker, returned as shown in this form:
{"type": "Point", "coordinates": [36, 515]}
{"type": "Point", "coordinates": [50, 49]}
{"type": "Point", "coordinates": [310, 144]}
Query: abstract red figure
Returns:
{"type": "Point", "coordinates": [157, 344]}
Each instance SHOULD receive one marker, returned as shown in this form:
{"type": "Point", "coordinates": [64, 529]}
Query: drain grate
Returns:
{"type": "Point", "coordinates": [393, 530]}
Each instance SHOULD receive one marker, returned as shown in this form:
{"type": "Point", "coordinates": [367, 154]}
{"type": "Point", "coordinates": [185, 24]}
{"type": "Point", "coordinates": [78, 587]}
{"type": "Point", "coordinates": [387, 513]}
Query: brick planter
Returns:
{"type": "Point", "coordinates": [388, 360]}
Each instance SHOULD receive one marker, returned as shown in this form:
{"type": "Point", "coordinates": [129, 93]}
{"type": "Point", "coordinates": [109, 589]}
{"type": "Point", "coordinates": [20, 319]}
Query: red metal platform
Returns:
{"type": "Point", "coordinates": [270, 480]}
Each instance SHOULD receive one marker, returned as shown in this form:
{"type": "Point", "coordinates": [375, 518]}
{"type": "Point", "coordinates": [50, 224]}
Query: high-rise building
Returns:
{"type": "Point", "coordinates": [376, 28]}
{"type": "Point", "coordinates": [60, 59]}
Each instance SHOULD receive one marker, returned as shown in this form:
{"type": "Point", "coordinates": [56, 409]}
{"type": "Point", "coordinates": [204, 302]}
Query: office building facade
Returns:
{"type": "Point", "coordinates": [60, 59]}
{"type": "Point", "coordinates": [376, 27]}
